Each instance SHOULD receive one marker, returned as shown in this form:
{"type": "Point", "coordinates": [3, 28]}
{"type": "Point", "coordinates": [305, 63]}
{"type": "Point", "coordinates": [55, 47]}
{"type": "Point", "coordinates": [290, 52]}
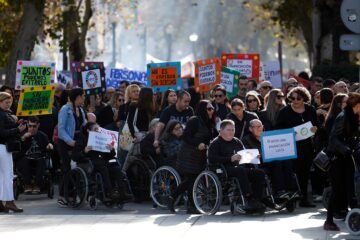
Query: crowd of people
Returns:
{"type": "Point", "coordinates": [204, 128]}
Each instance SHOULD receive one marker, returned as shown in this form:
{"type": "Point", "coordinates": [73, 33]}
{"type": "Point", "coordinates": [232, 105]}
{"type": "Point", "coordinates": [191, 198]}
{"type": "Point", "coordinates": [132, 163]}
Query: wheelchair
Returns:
{"type": "Point", "coordinates": [213, 186]}
{"type": "Point", "coordinates": [82, 184]}
{"type": "Point", "coordinates": [47, 186]}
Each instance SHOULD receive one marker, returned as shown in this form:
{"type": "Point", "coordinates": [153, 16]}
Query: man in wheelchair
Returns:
{"type": "Point", "coordinates": [117, 190]}
{"type": "Point", "coordinates": [223, 150]}
{"type": "Point", "coordinates": [34, 147]}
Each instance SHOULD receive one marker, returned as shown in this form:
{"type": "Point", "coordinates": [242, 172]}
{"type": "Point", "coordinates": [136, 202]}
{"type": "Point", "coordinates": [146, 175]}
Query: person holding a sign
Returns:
{"type": "Point", "coordinates": [241, 118]}
{"type": "Point", "coordinates": [9, 135]}
{"type": "Point", "coordinates": [297, 113]}
{"type": "Point", "coordinates": [223, 150]}
{"type": "Point", "coordinates": [83, 153]}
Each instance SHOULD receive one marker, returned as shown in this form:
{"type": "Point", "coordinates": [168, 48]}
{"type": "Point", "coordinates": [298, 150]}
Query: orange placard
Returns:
{"type": "Point", "coordinates": [207, 74]}
{"type": "Point", "coordinates": [246, 64]}
{"type": "Point", "coordinates": [163, 76]}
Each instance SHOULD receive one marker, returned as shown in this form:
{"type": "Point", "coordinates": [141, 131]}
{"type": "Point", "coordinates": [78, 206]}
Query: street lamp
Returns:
{"type": "Point", "coordinates": [193, 38]}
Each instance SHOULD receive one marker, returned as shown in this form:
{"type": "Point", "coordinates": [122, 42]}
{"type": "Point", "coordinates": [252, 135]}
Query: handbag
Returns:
{"type": "Point", "coordinates": [322, 161]}
{"type": "Point", "coordinates": [126, 140]}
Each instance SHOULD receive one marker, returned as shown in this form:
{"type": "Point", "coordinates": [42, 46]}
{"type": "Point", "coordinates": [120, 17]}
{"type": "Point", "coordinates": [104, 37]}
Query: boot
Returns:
{"type": "Point", "coordinates": [10, 206]}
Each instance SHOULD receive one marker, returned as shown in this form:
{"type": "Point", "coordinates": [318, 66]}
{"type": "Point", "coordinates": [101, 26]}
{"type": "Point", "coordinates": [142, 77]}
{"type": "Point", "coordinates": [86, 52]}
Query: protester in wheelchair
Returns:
{"type": "Point", "coordinates": [282, 180]}
{"type": "Point", "coordinates": [223, 151]}
{"type": "Point", "coordinates": [83, 153]}
{"type": "Point", "coordinates": [170, 143]}
{"type": "Point", "coordinates": [34, 147]}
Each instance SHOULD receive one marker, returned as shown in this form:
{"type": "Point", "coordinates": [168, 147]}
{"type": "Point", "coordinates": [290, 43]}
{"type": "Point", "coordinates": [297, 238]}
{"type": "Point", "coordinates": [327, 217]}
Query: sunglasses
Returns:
{"type": "Point", "coordinates": [280, 96]}
{"type": "Point", "coordinates": [218, 96]}
{"type": "Point", "coordinates": [266, 87]}
{"type": "Point", "coordinates": [32, 126]}
{"type": "Point", "coordinates": [251, 100]}
{"type": "Point", "coordinates": [210, 109]}
{"type": "Point", "coordinates": [297, 98]}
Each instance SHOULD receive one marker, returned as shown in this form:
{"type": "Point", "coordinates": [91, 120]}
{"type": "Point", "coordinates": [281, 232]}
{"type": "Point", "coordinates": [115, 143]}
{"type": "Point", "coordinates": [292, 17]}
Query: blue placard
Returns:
{"type": "Point", "coordinates": [114, 76]}
{"type": "Point", "coordinates": [278, 145]}
{"type": "Point", "coordinates": [164, 76]}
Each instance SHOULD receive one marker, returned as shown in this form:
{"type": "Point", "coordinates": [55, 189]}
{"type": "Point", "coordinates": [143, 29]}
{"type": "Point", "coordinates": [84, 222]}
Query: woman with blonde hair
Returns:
{"type": "Point", "coordinates": [9, 138]}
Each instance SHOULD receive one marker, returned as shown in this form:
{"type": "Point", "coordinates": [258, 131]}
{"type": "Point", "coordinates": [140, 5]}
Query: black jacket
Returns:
{"type": "Point", "coordinates": [221, 151]}
{"type": "Point", "coordinates": [242, 127]}
{"type": "Point", "coordinates": [8, 128]}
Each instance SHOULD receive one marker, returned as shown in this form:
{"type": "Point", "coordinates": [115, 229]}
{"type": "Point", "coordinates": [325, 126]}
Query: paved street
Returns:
{"type": "Point", "coordinates": [43, 219]}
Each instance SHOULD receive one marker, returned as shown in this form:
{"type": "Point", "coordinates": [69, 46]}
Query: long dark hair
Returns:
{"type": "Point", "coordinates": [164, 101]}
{"type": "Point", "coordinates": [201, 112]}
{"type": "Point", "coordinates": [145, 101]}
{"type": "Point", "coordinates": [335, 107]}
{"type": "Point", "coordinates": [169, 128]}
{"type": "Point", "coordinates": [352, 125]}
{"type": "Point", "coordinates": [75, 92]}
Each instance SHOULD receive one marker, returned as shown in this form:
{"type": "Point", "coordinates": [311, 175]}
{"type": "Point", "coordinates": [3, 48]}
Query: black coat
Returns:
{"type": "Point", "coordinates": [192, 160]}
{"type": "Point", "coordinates": [242, 127]}
{"type": "Point", "coordinates": [8, 128]}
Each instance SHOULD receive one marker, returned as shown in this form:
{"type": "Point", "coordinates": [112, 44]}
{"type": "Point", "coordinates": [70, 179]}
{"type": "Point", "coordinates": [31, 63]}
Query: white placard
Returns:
{"type": "Point", "coordinates": [271, 72]}
{"type": "Point", "coordinates": [98, 141]}
{"type": "Point", "coordinates": [207, 74]}
{"type": "Point", "coordinates": [114, 136]}
{"type": "Point", "coordinates": [227, 80]}
{"type": "Point", "coordinates": [278, 145]}
{"type": "Point", "coordinates": [249, 156]}
{"type": "Point", "coordinates": [243, 66]}
{"type": "Point", "coordinates": [303, 131]}
{"type": "Point", "coordinates": [91, 79]}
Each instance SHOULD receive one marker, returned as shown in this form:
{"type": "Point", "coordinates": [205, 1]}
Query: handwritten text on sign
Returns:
{"type": "Point", "coordinates": [98, 141]}
{"type": "Point", "coordinates": [36, 100]}
{"type": "Point", "coordinates": [163, 76]}
{"type": "Point", "coordinates": [207, 74]}
{"type": "Point", "coordinates": [243, 66]}
{"type": "Point", "coordinates": [278, 145]}
{"type": "Point", "coordinates": [227, 80]}
{"type": "Point", "coordinates": [35, 76]}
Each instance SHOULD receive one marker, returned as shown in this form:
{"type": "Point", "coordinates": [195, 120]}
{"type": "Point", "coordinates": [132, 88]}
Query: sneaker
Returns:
{"type": "Point", "coordinates": [27, 189]}
{"type": "Point", "coordinates": [171, 204]}
{"type": "Point", "coordinates": [36, 190]}
{"type": "Point", "coordinates": [330, 226]}
{"type": "Point", "coordinates": [62, 203]}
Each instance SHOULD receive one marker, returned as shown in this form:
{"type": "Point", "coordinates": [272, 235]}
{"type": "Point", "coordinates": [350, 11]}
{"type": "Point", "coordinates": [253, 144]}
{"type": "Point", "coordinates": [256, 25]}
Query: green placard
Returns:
{"type": "Point", "coordinates": [35, 75]}
{"type": "Point", "coordinates": [230, 80]}
{"type": "Point", "coordinates": [38, 100]}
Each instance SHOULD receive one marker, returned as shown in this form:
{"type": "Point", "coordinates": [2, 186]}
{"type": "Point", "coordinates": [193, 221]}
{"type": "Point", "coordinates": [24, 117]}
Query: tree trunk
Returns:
{"type": "Point", "coordinates": [25, 38]}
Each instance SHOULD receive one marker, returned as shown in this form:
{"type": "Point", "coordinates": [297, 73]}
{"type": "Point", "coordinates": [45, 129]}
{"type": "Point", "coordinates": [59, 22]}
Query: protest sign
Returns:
{"type": "Point", "coordinates": [303, 131]}
{"type": "Point", "coordinates": [249, 156]}
{"type": "Point", "coordinates": [36, 101]}
{"type": "Point", "coordinates": [247, 64]}
{"type": "Point", "coordinates": [64, 77]}
{"type": "Point", "coordinates": [207, 74]}
{"type": "Point", "coordinates": [33, 73]}
{"type": "Point", "coordinates": [230, 80]}
{"type": "Point", "coordinates": [271, 72]}
{"type": "Point", "coordinates": [164, 76]}
{"type": "Point", "coordinates": [90, 76]}
{"type": "Point", "coordinates": [114, 136]}
{"type": "Point", "coordinates": [114, 76]}
{"type": "Point", "coordinates": [98, 141]}
{"type": "Point", "coordinates": [278, 145]}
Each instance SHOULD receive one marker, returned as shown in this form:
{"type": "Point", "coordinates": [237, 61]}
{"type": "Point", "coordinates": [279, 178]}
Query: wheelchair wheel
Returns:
{"type": "Point", "coordinates": [207, 193]}
{"type": "Point", "coordinates": [93, 203]}
{"type": "Point", "coordinates": [326, 197]}
{"type": "Point", "coordinates": [163, 182]}
{"type": "Point", "coordinates": [139, 176]}
{"type": "Point", "coordinates": [352, 221]}
{"type": "Point", "coordinates": [76, 187]}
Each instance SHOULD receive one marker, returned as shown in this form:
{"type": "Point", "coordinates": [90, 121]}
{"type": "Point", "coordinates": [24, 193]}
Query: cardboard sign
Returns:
{"type": "Point", "coordinates": [98, 141]}
{"type": "Point", "coordinates": [247, 64]}
{"type": "Point", "coordinates": [164, 76]}
{"type": "Point", "coordinates": [114, 136]}
{"type": "Point", "coordinates": [207, 74]}
{"type": "Point", "coordinates": [303, 131]}
{"type": "Point", "coordinates": [114, 76]}
{"type": "Point", "coordinates": [278, 145]}
{"type": "Point", "coordinates": [90, 76]}
{"type": "Point", "coordinates": [35, 101]}
{"type": "Point", "coordinates": [271, 72]}
{"type": "Point", "coordinates": [64, 77]}
{"type": "Point", "coordinates": [230, 80]}
{"type": "Point", "coordinates": [33, 73]}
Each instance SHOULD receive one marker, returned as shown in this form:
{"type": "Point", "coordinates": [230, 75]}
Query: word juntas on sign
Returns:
{"type": "Point", "coordinates": [207, 74]}
{"type": "Point", "coordinates": [36, 100]}
{"type": "Point", "coordinates": [31, 75]}
{"type": "Point", "coordinates": [163, 76]}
